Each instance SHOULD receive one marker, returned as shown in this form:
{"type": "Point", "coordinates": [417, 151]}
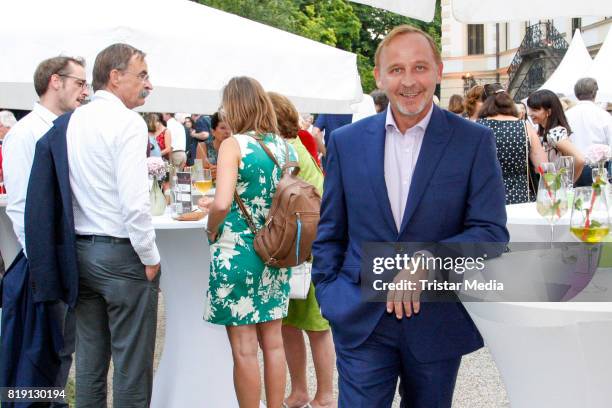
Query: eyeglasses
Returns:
{"type": "Point", "coordinates": [80, 82]}
{"type": "Point", "coordinates": [143, 76]}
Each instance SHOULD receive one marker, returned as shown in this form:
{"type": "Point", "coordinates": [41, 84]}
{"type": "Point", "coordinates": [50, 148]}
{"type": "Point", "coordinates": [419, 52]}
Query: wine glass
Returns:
{"type": "Point", "coordinates": [565, 164]}
{"type": "Point", "coordinates": [203, 180]}
{"type": "Point", "coordinates": [599, 173]}
{"type": "Point", "coordinates": [551, 201]}
{"type": "Point", "coordinates": [590, 221]}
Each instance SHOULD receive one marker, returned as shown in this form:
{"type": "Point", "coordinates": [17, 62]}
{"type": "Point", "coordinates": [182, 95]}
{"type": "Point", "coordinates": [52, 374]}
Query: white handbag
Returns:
{"type": "Point", "coordinates": [300, 281]}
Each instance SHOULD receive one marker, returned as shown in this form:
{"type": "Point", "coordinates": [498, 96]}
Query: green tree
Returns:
{"type": "Point", "coordinates": [376, 23]}
{"type": "Point", "coordinates": [276, 13]}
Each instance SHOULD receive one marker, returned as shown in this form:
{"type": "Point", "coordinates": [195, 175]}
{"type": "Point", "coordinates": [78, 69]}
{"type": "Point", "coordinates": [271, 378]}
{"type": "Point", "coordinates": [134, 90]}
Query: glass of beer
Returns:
{"type": "Point", "coordinates": [203, 180]}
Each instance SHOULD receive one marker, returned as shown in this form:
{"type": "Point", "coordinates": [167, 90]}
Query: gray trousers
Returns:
{"type": "Point", "coordinates": [116, 316]}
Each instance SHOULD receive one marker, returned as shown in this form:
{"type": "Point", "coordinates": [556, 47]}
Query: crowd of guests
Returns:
{"type": "Point", "coordinates": [91, 266]}
{"type": "Point", "coordinates": [543, 129]}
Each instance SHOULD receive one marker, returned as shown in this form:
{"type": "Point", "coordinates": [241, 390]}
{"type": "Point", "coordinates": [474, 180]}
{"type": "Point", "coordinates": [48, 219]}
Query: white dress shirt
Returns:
{"type": "Point", "coordinates": [401, 154]}
{"type": "Point", "coordinates": [107, 145]}
{"type": "Point", "coordinates": [179, 136]}
{"type": "Point", "coordinates": [18, 155]}
{"type": "Point", "coordinates": [590, 125]}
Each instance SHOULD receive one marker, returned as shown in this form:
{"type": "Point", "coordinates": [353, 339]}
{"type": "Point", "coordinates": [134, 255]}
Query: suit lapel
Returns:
{"type": "Point", "coordinates": [435, 140]}
{"type": "Point", "coordinates": [59, 151]}
{"type": "Point", "coordinates": [375, 159]}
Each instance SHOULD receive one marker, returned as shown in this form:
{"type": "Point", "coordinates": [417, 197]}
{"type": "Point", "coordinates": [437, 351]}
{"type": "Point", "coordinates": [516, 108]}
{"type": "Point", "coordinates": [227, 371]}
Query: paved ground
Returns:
{"type": "Point", "coordinates": [478, 384]}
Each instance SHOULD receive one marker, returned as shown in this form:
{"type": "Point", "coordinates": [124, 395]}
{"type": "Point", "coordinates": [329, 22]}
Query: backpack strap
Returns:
{"type": "Point", "coordinates": [288, 164]}
{"type": "Point", "coordinates": [245, 212]}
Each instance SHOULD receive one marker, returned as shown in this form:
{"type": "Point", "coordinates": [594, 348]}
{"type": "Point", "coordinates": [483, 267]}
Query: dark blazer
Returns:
{"type": "Point", "coordinates": [49, 220]}
{"type": "Point", "coordinates": [33, 286]}
{"type": "Point", "coordinates": [32, 335]}
{"type": "Point", "coordinates": [456, 195]}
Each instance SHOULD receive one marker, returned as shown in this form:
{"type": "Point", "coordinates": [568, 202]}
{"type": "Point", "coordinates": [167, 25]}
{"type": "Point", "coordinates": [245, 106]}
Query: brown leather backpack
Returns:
{"type": "Point", "coordinates": [286, 238]}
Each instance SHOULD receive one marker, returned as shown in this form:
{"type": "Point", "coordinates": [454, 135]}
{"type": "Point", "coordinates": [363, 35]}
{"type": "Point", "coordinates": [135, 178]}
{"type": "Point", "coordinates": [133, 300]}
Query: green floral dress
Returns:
{"type": "Point", "coordinates": [242, 289]}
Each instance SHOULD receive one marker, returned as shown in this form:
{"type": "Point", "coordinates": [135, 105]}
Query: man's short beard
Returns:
{"type": "Point", "coordinates": [408, 113]}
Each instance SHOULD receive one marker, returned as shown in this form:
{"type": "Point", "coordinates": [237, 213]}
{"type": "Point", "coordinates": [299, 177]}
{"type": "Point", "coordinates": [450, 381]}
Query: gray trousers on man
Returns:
{"type": "Point", "coordinates": [116, 315]}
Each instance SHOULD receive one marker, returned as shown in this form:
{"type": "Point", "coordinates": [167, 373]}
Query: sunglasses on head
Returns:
{"type": "Point", "coordinates": [492, 89]}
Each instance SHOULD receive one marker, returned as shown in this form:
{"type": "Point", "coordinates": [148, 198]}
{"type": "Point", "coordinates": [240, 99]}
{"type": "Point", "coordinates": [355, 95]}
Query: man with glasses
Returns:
{"type": "Point", "coordinates": [61, 85]}
{"type": "Point", "coordinates": [105, 187]}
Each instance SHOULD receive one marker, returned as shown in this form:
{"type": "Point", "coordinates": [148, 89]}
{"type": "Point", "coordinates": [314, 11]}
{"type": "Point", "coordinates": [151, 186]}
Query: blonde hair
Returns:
{"type": "Point", "coordinates": [407, 29]}
{"type": "Point", "coordinates": [247, 107]}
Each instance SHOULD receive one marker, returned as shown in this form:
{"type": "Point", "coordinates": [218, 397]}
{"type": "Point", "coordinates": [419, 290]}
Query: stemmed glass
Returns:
{"type": "Point", "coordinates": [565, 164]}
{"type": "Point", "coordinates": [551, 201]}
{"type": "Point", "coordinates": [590, 221]}
{"type": "Point", "coordinates": [202, 180]}
{"type": "Point", "coordinates": [599, 173]}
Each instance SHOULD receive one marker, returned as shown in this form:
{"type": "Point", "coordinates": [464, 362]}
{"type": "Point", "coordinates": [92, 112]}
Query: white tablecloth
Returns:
{"type": "Point", "coordinates": [526, 225]}
{"type": "Point", "coordinates": [195, 369]}
{"type": "Point", "coordinates": [549, 354]}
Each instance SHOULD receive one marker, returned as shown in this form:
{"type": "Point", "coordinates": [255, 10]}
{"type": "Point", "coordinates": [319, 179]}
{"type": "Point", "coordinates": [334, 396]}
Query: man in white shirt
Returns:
{"type": "Point", "coordinates": [179, 140]}
{"type": "Point", "coordinates": [118, 260]}
{"type": "Point", "coordinates": [590, 124]}
{"type": "Point", "coordinates": [61, 85]}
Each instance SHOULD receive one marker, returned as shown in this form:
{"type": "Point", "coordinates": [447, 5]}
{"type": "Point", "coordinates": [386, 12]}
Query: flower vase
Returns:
{"type": "Point", "coordinates": [158, 200]}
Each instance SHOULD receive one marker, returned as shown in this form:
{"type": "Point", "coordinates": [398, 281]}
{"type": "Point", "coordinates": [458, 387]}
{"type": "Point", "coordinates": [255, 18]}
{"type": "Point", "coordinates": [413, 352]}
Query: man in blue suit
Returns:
{"type": "Point", "coordinates": [411, 173]}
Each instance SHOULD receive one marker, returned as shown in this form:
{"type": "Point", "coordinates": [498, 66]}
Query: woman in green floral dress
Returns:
{"type": "Point", "coordinates": [245, 295]}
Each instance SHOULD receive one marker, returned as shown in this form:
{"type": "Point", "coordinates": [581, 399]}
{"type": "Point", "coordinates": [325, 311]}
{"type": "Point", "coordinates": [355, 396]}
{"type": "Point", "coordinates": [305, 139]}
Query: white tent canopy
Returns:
{"type": "Point", "coordinates": [192, 51]}
{"type": "Point", "coordinates": [575, 65]}
{"type": "Point", "coordinates": [601, 70]}
{"type": "Point", "coordinates": [490, 11]}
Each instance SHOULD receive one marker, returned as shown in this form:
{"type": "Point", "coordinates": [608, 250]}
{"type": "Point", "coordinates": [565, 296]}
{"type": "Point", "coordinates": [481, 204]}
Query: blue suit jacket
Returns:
{"type": "Point", "coordinates": [49, 220]}
{"type": "Point", "coordinates": [32, 286]}
{"type": "Point", "coordinates": [456, 195]}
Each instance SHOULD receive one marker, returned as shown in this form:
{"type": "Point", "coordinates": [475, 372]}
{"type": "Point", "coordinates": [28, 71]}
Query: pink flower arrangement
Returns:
{"type": "Point", "coordinates": [597, 154]}
{"type": "Point", "coordinates": [157, 167]}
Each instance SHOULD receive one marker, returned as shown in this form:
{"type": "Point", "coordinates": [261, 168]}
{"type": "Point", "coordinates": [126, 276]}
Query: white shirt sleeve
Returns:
{"type": "Point", "coordinates": [18, 153]}
{"type": "Point", "coordinates": [133, 189]}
